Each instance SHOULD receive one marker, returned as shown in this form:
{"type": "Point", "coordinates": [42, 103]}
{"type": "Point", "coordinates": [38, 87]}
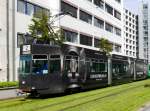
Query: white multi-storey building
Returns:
{"type": "Point", "coordinates": [144, 32]}
{"type": "Point", "coordinates": [130, 33]}
{"type": "Point", "coordinates": [87, 22]}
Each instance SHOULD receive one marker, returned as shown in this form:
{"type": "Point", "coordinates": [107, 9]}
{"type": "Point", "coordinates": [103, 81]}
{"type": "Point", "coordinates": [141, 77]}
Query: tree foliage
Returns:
{"type": "Point", "coordinates": [42, 29]}
{"type": "Point", "coordinates": [105, 46]}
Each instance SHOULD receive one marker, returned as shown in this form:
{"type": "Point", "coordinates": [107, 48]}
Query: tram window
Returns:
{"type": "Point", "coordinates": [39, 56]}
{"type": "Point", "coordinates": [119, 68]}
{"type": "Point", "coordinates": [103, 67]}
{"type": "Point", "coordinates": [40, 67]}
{"type": "Point", "coordinates": [98, 67]}
{"type": "Point", "coordinates": [24, 67]}
{"type": "Point", "coordinates": [55, 66]}
{"type": "Point", "coordinates": [55, 56]}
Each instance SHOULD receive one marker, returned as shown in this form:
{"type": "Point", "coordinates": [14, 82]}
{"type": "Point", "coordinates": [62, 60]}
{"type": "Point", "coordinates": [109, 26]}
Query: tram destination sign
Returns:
{"type": "Point", "coordinates": [26, 49]}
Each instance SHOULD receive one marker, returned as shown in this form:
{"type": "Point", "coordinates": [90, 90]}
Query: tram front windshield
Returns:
{"type": "Point", "coordinates": [33, 64]}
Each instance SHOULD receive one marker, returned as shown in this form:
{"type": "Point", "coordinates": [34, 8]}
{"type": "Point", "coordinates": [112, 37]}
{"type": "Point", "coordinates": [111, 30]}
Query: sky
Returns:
{"type": "Point", "coordinates": [132, 5]}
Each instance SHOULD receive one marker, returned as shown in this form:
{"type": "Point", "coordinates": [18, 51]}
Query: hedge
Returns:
{"type": "Point", "coordinates": [8, 84]}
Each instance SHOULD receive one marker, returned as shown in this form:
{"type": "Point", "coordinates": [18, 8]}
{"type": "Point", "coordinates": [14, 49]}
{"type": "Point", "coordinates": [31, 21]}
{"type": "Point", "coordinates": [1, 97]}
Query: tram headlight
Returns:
{"type": "Point", "coordinates": [23, 82]}
{"type": "Point", "coordinates": [33, 88]}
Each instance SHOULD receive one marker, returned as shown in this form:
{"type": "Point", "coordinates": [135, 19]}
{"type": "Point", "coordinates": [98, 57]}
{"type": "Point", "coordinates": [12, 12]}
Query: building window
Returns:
{"type": "Point", "coordinates": [145, 6]}
{"type": "Point", "coordinates": [117, 31]}
{"type": "Point", "coordinates": [96, 42]}
{"type": "Point", "coordinates": [117, 15]}
{"type": "Point", "coordinates": [71, 36]}
{"type": "Point", "coordinates": [108, 27]}
{"type": "Point", "coordinates": [38, 12]}
{"type": "Point", "coordinates": [30, 9]}
{"type": "Point", "coordinates": [99, 3]}
{"type": "Point", "coordinates": [86, 17]}
{"type": "Point", "coordinates": [85, 40]}
{"type": "Point", "coordinates": [89, 0]}
{"type": "Point", "coordinates": [66, 8]}
{"type": "Point", "coordinates": [98, 23]}
{"type": "Point", "coordinates": [117, 48]}
{"type": "Point", "coordinates": [119, 1]}
{"type": "Point", "coordinates": [21, 6]}
{"type": "Point", "coordinates": [109, 9]}
{"type": "Point", "coordinates": [20, 40]}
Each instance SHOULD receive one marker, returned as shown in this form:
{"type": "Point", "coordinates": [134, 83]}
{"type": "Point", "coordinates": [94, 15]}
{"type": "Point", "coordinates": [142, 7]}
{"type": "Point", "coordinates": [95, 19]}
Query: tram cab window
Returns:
{"type": "Point", "coordinates": [40, 64]}
{"type": "Point", "coordinates": [25, 64]}
{"type": "Point", "coordinates": [55, 64]}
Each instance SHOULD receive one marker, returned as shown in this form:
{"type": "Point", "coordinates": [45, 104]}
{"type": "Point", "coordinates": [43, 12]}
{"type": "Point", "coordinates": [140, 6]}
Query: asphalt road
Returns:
{"type": "Point", "coordinates": [6, 94]}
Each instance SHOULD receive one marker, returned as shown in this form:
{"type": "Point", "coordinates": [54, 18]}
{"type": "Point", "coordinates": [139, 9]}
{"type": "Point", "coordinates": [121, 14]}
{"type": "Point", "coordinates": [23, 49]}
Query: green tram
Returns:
{"type": "Point", "coordinates": [149, 71]}
{"type": "Point", "coordinates": [46, 69]}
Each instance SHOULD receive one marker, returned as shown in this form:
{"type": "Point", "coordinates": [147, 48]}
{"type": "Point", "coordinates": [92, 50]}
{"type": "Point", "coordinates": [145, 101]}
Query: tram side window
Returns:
{"type": "Point", "coordinates": [99, 67]}
{"type": "Point", "coordinates": [55, 64]}
{"type": "Point", "coordinates": [40, 64]}
{"type": "Point", "coordinates": [119, 68]}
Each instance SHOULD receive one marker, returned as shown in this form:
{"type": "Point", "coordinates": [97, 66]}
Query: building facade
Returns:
{"type": "Point", "coordinates": [130, 33]}
{"type": "Point", "coordinates": [144, 33]}
{"type": "Point", "coordinates": [87, 22]}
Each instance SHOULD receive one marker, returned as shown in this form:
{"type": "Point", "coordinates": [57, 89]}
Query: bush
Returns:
{"type": "Point", "coordinates": [8, 84]}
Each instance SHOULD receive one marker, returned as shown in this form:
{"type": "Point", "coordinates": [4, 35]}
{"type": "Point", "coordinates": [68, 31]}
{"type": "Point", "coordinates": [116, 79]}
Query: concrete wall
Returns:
{"type": "Point", "coordinates": [3, 44]}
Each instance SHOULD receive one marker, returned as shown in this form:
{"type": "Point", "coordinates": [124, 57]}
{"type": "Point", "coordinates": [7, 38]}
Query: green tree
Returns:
{"type": "Point", "coordinates": [105, 46]}
{"type": "Point", "coordinates": [42, 29]}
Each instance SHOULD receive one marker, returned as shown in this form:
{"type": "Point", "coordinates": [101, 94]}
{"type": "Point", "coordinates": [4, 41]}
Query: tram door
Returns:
{"type": "Point", "coordinates": [72, 67]}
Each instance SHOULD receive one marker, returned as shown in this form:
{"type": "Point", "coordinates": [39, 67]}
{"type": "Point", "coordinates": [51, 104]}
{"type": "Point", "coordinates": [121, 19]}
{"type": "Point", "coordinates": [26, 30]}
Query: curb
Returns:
{"type": "Point", "coordinates": [8, 88]}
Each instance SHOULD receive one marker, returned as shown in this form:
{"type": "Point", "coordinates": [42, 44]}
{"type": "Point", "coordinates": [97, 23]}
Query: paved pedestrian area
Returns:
{"type": "Point", "coordinates": [145, 107]}
{"type": "Point", "coordinates": [11, 93]}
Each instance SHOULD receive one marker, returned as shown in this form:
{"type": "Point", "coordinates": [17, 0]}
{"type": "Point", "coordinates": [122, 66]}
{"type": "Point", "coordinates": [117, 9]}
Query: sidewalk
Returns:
{"type": "Point", "coordinates": [9, 93]}
{"type": "Point", "coordinates": [145, 107]}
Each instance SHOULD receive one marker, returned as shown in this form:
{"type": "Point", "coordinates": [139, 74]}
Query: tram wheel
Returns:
{"type": "Point", "coordinates": [35, 95]}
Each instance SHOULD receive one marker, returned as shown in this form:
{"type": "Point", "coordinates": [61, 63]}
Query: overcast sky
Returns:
{"type": "Point", "coordinates": [132, 5]}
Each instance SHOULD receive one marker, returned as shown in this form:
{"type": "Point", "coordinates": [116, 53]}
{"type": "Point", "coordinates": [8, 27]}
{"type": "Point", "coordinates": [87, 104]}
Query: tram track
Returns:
{"type": "Point", "coordinates": [15, 103]}
{"type": "Point", "coordinates": [97, 99]}
{"type": "Point", "coordinates": [84, 97]}
{"type": "Point", "coordinates": [69, 101]}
